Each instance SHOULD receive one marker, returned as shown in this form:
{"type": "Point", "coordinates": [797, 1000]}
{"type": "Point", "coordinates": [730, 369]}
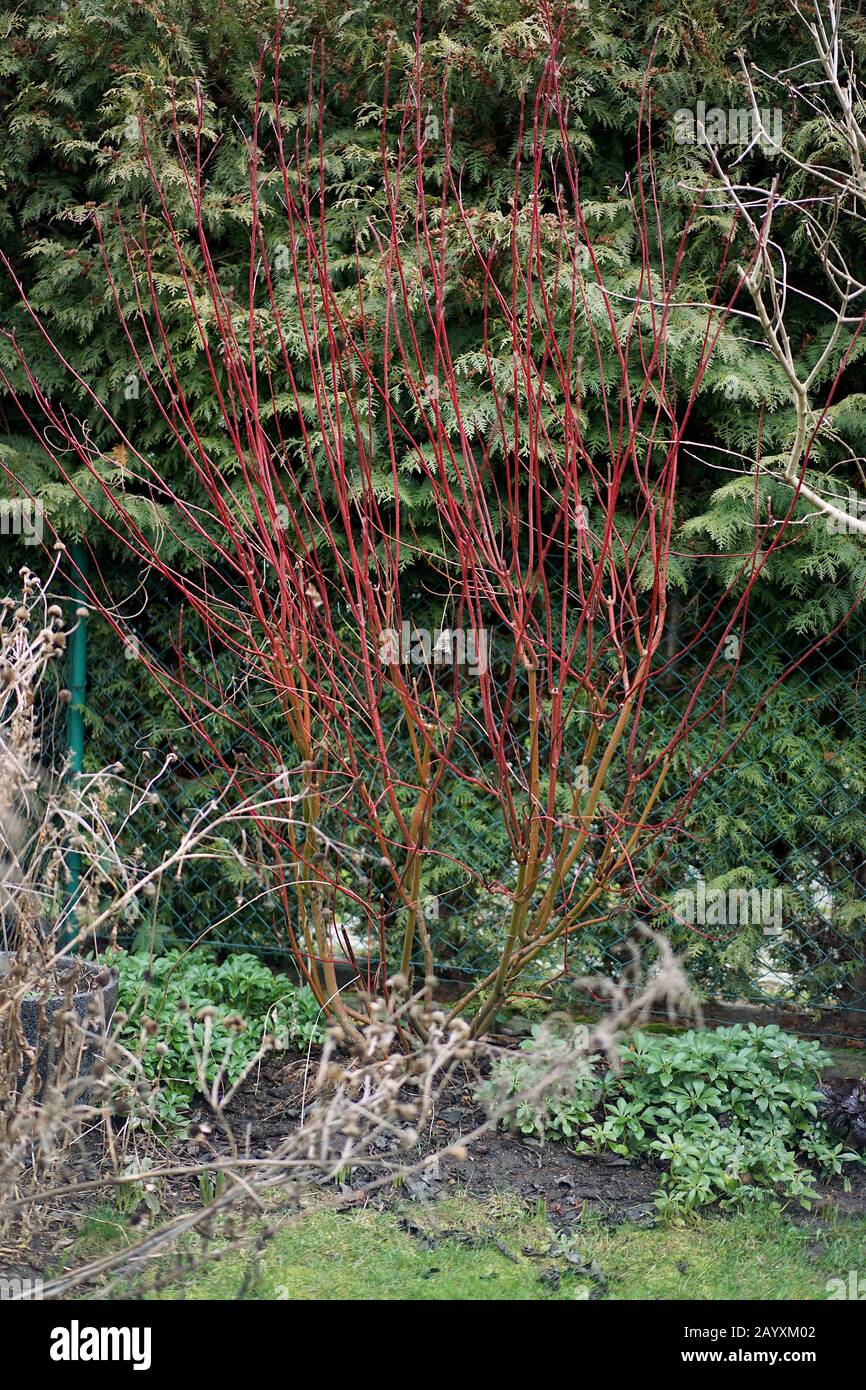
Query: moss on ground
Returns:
{"type": "Point", "coordinates": [466, 1250]}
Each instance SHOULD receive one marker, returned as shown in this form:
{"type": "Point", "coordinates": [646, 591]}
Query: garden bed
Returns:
{"type": "Point", "coordinates": [594, 1206]}
{"type": "Point", "coordinates": [270, 1105]}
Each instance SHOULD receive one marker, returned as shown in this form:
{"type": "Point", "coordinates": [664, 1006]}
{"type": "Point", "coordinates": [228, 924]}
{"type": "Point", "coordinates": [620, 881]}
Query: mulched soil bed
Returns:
{"type": "Point", "coordinates": [270, 1107]}
{"type": "Point", "coordinates": [618, 1189]}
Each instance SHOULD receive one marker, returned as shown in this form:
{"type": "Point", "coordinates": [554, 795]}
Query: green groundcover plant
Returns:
{"type": "Point", "coordinates": [732, 1114]}
{"type": "Point", "coordinates": [164, 1002]}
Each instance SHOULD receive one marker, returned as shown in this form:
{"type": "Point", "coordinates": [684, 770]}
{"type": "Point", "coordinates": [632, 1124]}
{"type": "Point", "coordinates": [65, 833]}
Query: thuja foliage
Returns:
{"type": "Point", "coordinates": [731, 1114]}
{"type": "Point", "coordinates": [79, 79]}
{"type": "Point", "coordinates": [76, 81]}
{"type": "Point", "coordinates": [197, 1023]}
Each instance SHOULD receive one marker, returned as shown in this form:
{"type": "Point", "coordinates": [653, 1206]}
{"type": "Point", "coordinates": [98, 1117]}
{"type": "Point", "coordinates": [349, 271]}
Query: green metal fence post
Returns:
{"type": "Point", "coordinates": [78, 694]}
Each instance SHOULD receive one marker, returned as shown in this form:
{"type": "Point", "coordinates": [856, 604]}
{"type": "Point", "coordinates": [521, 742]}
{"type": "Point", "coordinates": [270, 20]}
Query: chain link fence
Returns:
{"type": "Point", "coordinates": [765, 887]}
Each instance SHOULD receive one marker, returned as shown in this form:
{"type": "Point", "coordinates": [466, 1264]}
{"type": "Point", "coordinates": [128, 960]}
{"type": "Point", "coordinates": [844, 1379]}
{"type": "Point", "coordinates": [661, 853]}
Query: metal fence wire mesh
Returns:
{"type": "Point", "coordinates": [766, 881]}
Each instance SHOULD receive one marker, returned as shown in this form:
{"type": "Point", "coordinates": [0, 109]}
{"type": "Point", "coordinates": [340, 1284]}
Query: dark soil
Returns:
{"type": "Point", "coordinates": [270, 1107]}
{"type": "Point", "coordinates": [617, 1189]}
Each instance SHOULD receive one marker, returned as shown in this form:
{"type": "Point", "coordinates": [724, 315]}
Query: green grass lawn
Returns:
{"type": "Point", "coordinates": [462, 1249]}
